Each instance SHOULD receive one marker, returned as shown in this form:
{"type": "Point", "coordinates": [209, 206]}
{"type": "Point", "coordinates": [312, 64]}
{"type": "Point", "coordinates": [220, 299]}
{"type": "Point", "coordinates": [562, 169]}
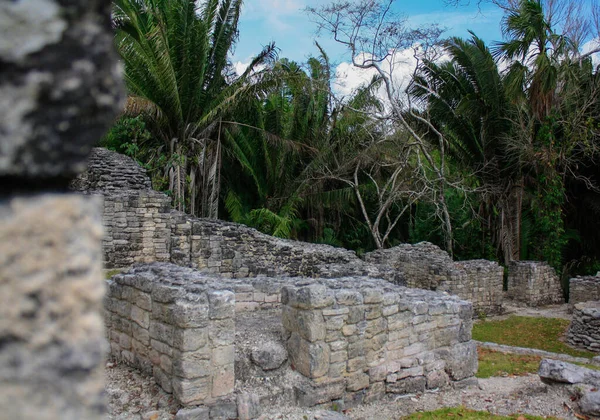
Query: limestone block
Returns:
{"type": "Point", "coordinates": [51, 292]}
{"type": "Point", "coordinates": [311, 297]}
{"type": "Point", "coordinates": [310, 359]}
{"type": "Point", "coordinates": [269, 355]}
{"type": "Point", "coordinates": [461, 360]}
{"type": "Point", "coordinates": [410, 385]}
{"type": "Point", "coordinates": [311, 325]}
{"type": "Point", "coordinates": [191, 391]}
{"type": "Point", "coordinates": [223, 380]}
{"type": "Point", "coordinates": [193, 364]}
{"type": "Point", "coordinates": [222, 304]}
{"type": "Point", "coordinates": [196, 413]}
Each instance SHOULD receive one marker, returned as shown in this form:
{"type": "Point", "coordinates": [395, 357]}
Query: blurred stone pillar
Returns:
{"type": "Point", "coordinates": [60, 88]}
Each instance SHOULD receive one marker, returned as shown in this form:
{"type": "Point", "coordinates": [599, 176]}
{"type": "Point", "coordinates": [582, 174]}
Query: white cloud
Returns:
{"type": "Point", "coordinates": [589, 46]}
{"type": "Point", "coordinates": [400, 65]}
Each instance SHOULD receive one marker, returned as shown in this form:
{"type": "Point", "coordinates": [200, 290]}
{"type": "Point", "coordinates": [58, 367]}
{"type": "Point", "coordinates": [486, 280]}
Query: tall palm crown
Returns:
{"type": "Point", "coordinates": [175, 56]}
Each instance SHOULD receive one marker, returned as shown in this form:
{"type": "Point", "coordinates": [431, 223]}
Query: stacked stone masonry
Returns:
{"type": "Point", "coordinates": [60, 89]}
{"type": "Point", "coordinates": [534, 283]}
{"type": "Point", "coordinates": [351, 338]}
{"type": "Point", "coordinates": [426, 266]}
{"type": "Point", "coordinates": [358, 339]}
{"type": "Point", "coordinates": [584, 331]}
{"type": "Point", "coordinates": [142, 227]}
{"type": "Point", "coordinates": [178, 325]}
{"type": "Point", "coordinates": [584, 289]}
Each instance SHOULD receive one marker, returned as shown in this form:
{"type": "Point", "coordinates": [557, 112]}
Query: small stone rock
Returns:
{"type": "Point", "coordinates": [590, 403]}
{"type": "Point", "coordinates": [248, 406]}
{"type": "Point", "coordinates": [556, 371]}
{"type": "Point", "coordinates": [198, 413]}
{"type": "Point", "coordinates": [269, 355]}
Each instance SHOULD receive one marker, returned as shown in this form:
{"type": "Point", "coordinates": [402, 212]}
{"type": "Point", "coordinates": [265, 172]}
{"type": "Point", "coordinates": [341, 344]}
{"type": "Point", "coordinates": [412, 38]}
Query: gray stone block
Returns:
{"type": "Point", "coordinates": [53, 56]}
{"type": "Point", "coordinates": [197, 413]}
{"type": "Point", "coordinates": [51, 294]}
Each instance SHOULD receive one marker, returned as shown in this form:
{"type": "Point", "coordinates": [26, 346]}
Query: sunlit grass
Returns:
{"type": "Point", "coordinates": [493, 363]}
{"type": "Point", "coordinates": [537, 333]}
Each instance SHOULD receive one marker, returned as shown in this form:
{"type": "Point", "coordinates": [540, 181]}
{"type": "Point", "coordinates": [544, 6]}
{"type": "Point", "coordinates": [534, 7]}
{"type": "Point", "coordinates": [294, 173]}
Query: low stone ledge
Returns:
{"type": "Point", "coordinates": [534, 352]}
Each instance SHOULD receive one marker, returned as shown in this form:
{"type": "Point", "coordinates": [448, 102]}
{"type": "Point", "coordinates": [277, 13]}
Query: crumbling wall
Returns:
{"type": "Point", "coordinates": [177, 325]}
{"type": "Point", "coordinates": [137, 228]}
{"type": "Point", "coordinates": [426, 266]}
{"type": "Point", "coordinates": [352, 338]}
{"type": "Point", "coordinates": [59, 90]}
{"type": "Point", "coordinates": [584, 289]}
{"type": "Point", "coordinates": [534, 283]}
{"type": "Point", "coordinates": [358, 339]}
{"type": "Point", "coordinates": [141, 226]}
{"type": "Point", "coordinates": [584, 330]}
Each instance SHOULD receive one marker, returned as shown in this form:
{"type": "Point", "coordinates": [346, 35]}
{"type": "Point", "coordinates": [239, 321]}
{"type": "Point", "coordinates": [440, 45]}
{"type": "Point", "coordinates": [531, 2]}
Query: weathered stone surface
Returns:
{"type": "Point", "coordinates": [584, 289]}
{"type": "Point", "coordinates": [269, 355]}
{"type": "Point", "coordinates": [197, 413]}
{"type": "Point", "coordinates": [426, 266]}
{"type": "Point", "coordinates": [224, 410]}
{"type": "Point", "coordinates": [410, 385]}
{"type": "Point", "coordinates": [534, 283]}
{"type": "Point", "coordinates": [51, 290]}
{"type": "Point", "coordinates": [590, 402]}
{"type": "Point", "coordinates": [461, 360]}
{"type": "Point", "coordinates": [552, 371]}
{"type": "Point", "coordinates": [310, 359]}
{"type": "Point", "coordinates": [248, 406]}
{"type": "Point", "coordinates": [584, 330]}
{"type": "Point", "coordinates": [53, 56]}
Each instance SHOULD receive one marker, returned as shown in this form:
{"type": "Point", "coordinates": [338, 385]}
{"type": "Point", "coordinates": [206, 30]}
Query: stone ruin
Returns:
{"type": "Point", "coordinates": [534, 283]}
{"type": "Point", "coordinates": [584, 330]}
{"type": "Point", "coordinates": [350, 339]}
{"type": "Point", "coordinates": [60, 88]}
{"type": "Point", "coordinates": [426, 266]}
{"type": "Point", "coordinates": [584, 289]}
{"type": "Point", "coordinates": [141, 226]}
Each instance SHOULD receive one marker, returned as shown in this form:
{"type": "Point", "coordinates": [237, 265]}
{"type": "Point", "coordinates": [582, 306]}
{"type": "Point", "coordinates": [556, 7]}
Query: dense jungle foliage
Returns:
{"type": "Point", "coordinates": [494, 155]}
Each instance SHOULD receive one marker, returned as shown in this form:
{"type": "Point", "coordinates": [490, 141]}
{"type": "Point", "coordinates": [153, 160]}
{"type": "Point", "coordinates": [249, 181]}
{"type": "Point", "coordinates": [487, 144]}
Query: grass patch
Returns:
{"type": "Point", "coordinates": [464, 413]}
{"type": "Point", "coordinates": [493, 363]}
{"type": "Point", "coordinates": [522, 331]}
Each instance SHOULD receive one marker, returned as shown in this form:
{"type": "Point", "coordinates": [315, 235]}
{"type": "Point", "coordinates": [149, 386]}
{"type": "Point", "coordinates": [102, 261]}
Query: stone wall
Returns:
{"type": "Point", "coordinates": [358, 339]}
{"type": "Point", "coordinates": [60, 89]}
{"type": "Point", "coordinates": [351, 338]}
{"type": "Point", "coordinates": [534, 283]}
{"type": "Point", "coordinates": [142, 227]}
{"type": "Point", "coordinates": [426, 266]}
{"type": "Point", "coordinates": [584, 289]}
{"type": "Point", "coordinates": [584, 331]}
{"type": "Point", "coordinates": [177, 325]}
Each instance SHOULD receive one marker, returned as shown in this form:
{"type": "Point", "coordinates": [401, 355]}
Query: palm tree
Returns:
{"type": "Point", "coordinates": [467, 98]}
{"type": "Point", "coordinates": [176, 68]}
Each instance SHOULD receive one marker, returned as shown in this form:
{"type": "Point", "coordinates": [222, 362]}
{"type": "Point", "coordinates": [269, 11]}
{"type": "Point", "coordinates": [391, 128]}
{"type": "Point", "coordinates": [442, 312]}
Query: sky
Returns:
{"type": "Point", "coordinates": [285, 23]}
